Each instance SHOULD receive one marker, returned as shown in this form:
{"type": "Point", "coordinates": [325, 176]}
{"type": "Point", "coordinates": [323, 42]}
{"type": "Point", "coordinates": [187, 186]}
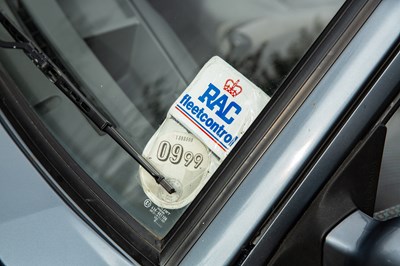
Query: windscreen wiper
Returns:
{"type": "Point", "coordinates": [54, 74]}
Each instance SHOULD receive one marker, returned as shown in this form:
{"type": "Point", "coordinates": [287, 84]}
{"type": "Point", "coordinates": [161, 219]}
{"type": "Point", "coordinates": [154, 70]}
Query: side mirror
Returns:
{"type": "Point", "coordinates": [362, 240]}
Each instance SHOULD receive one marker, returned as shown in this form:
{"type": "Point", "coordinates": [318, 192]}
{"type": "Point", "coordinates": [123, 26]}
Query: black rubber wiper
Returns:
{"type": "Point", "coordinates": [54, 74]}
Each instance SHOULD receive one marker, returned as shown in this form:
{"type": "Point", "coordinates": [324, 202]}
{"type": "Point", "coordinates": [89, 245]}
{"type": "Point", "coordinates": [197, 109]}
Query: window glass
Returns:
{"type": "Point", "coordinates": [141, 63]}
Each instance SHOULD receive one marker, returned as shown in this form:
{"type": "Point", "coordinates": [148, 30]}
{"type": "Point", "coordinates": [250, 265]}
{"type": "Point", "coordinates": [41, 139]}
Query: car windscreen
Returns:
{"type": "Point", "coordinates": [181, 80]}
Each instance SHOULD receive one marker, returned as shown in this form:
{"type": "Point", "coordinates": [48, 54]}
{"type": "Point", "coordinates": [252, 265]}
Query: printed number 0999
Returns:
{"type": "Point", "coordinates": [176, 153]}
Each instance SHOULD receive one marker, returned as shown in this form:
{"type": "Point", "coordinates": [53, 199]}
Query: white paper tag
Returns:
{"type": "Point", "coordinates": [182, 159]}
{"type": "Point", "coordinates": [219, 105]}
{"type": "Point", "coordinates": [201, 127]}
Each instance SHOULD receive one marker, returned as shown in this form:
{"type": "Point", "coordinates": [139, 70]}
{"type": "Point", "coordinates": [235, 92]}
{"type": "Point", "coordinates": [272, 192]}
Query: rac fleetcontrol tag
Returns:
{"type": "Point", "coordinates": [219, 105]}
{"type": "Point", "coordinates": [201, 128]}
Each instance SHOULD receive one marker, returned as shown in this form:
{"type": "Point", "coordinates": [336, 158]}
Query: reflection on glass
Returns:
{"type": "Point", "coordinates": [261, 39]}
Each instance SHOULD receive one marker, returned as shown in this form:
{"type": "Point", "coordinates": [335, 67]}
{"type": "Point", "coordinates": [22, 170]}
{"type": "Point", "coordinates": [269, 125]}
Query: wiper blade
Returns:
{"type": "Point", "coordinates": [54, 74]}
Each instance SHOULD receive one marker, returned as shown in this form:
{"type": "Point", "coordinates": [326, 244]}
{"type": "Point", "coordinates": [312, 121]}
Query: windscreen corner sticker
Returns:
{"type": "Point", "coordinates": [218, 106]}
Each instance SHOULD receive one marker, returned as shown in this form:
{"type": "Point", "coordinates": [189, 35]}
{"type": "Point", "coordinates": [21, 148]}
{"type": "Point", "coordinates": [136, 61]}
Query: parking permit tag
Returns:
{"type": "Point", "coordinates": [219, 106]}
{"type": "Point", "coordinates": [201, 128]}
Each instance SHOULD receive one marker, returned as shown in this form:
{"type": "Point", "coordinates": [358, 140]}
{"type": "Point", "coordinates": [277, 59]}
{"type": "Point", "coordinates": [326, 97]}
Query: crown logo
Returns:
{"type": "Point", "coordinates": [232, 87]}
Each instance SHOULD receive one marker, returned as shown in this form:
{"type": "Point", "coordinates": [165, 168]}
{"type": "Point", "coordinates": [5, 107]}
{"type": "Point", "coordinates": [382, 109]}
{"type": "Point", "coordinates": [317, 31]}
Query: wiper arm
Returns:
{"type": "Point", "coordinates": [52, 72]}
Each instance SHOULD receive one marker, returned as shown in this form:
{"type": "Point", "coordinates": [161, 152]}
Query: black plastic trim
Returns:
{"type": "Point", "coordinates": [352, 187]}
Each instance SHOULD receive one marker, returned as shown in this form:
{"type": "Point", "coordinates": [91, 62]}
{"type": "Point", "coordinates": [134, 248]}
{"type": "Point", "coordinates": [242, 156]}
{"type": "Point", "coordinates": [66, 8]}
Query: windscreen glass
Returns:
{"type": "Point", "coordinates": [181, 80]}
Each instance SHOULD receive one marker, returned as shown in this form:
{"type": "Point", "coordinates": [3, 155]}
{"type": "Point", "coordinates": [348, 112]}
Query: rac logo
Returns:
{"type": "Point", "coordinates": [225, 109]}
